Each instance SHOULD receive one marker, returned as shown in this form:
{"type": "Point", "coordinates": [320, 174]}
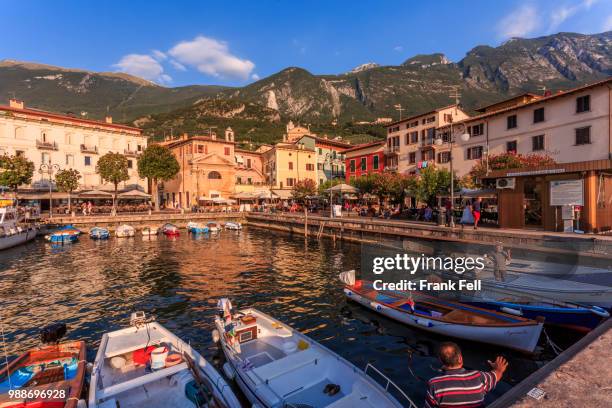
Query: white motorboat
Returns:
{"type": "Point", "coordinates": [146, 365]}
{"type": "Point", "coordinates": [277, 367]}
{"type": "Point", "coordinates": [11, 234]}
{"type": "Point", "coordinates": [124, 231]}
{"type": "Point", "coordinates": [149, 230]}
{"type": "Point", "coordinates": [214, 226]}
{"type": "Point", "coordinates": [230, 225]}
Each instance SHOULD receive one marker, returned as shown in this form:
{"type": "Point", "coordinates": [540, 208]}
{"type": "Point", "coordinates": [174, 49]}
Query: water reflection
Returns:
{"type": "Point", "coordinates": [93, 286]}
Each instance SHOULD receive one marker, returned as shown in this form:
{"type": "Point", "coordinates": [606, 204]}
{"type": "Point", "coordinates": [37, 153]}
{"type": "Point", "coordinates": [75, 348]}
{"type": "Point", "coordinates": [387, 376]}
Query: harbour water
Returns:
{"type": "Point", "coordinates": [93, 286]}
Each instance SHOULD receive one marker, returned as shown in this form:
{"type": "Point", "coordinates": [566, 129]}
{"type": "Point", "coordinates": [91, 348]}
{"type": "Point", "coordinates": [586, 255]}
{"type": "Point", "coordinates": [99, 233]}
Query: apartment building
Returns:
{"type": "Point", "coordinates": [68, 142]}
{"type": "Point", "coordinates": [285, 164]}
{"type": "Point", "coordinates": [411, 141]}
{"type": "Point", "coordinates": [249, 171]}
{"type": "Point", "coordinates": [330, 156]}
{"type": "Point", "coordinates": [364, 159]}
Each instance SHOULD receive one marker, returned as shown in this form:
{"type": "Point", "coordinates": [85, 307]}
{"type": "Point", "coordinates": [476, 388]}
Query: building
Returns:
{"type": "Point", "coordinates": [295, 132]}
{"type": "Point", "coordinates": [68, 142]}
{"type": "Point", "coordinates": [330, 156]}
{"type": "Point", "coordinates": [364, 159]}
{"type": "Point", "coordinates": [249, 171]}
{"type": "Point", "coordinates": [285, 164]}
{"type": "Point", "coordinates": [411, 141]}
{"type": "Point", "coordinates": [207, 169]}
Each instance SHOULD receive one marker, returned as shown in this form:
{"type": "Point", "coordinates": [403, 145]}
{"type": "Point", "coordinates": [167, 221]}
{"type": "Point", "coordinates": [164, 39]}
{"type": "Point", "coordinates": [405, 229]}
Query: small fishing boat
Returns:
{"type": "Point", "coordinates": [277, 366]}
{"type": "Point", "coordinates": [198, 228]}
{"type": "Point", "coordinates": [146, 365]}
{"type": "Point", "coordinates": [99, 233]}
{"type": "Point", "coordinates": [12, 234]}
{"type": "Point", "coordinates": [64, 235]}
{"type": "Point", "coordinates": [48, 376]}
{"type": "Point", "coordinates": [214, 226]}
{"type": "Point", "coordinates": [170, 230]}
{"type": "Point", "coordinates": [191, 225]}
{"type": "Point", "coordinates": [444, 317]}
{"type": "Point", "coordinates": [149, 230]}
{"type": "Point", "coordinates": [125, 231]}
{"type": "Point", "coordinates": [233, 225]}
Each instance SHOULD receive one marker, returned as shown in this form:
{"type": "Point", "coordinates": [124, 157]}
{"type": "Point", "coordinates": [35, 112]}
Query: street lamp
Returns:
{"type": "Point", "coordinates": [451, 141]}
{"type": "Point", "coordinates": [49, 169]}
{"type": "Point", "coordinates": [330, 159]}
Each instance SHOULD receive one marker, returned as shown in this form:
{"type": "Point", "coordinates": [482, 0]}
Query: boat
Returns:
{"type": "Point", "coordinates": [170, 230]}
{"type": "Point", "coordinates": [124, 231]}
{"type": "Point", "coordinates": [64, 235]}
{"type": "Point", "coordinates": [445, 317]}
{"type": "Point", "coordinates": [198, 228]}
{"type": "Point", "coordinates": [191, 225]}
{"type": "Point", "coordinates": [233, 225]}
{"type": "Point", "coordinates": [12, 234]}
{"type": "Point", "coordinates": [51, 375]}
{"type": "Point", "coordinates": [214, 226]}
{"type": "Point", "coordinates": [149, 231]}
{"type": "Point", "coordinates": [146, 365]}
{"type": "Point", "coordinates": [99, 233]}
{"type": "Point", "coordinates": [277, 366]}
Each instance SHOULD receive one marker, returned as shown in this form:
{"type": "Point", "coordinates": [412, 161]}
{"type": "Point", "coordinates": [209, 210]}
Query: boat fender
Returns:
{"type": "Point", "coordinates": [216, 336]}
{"type": "Point", "coordinates": [509, 310]}
{"type": "Point", "coordinates": [424, 323]}
{"type": "Point", "coordinates": [89, 368]}
{"type": "Point", "coordinates": [599, 311]}
{"type": "Point", "coordinates": [229, 371]}
{"type": "Point", "coordinates": [376, 306]}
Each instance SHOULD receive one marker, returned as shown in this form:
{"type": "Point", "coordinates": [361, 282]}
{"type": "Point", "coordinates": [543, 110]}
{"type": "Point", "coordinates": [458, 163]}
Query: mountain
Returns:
{"type": "Point", "coordinates": [365, 67]}
{"type": "Point", "coordinates": [485, 75]}
{"type": "Point", "coordinates": [73, 90]}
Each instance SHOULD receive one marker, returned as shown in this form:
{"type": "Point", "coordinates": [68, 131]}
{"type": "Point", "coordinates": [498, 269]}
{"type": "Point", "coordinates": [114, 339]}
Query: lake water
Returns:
{"type": "Point", "coordinates": [94, 286]}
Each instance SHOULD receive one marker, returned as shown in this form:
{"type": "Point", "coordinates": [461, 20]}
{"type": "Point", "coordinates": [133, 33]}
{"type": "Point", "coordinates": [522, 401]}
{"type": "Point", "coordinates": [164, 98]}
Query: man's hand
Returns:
{"type": "Point", "coordinates": [499, 366]}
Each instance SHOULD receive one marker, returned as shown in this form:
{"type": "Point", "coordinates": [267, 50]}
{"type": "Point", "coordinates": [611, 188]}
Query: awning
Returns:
{"type": "Point", "coordinates": [469, 192]}
{"type": "Point", "coordinates": [41, 195]}
{"type": "Point", "coordinates": [343, 188]}
{"type": "Point", "coordinates": [282, 194]}
{"type": "Point", "coordinates": [95, 194]}
{"type": "Point", "coordinates": [134, 195]}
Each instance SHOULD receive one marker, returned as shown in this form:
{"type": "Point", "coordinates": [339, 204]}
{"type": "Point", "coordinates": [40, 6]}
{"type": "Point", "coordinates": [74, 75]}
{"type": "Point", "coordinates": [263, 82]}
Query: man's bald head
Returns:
{"type": "Point", "coordinates": [450, 355]}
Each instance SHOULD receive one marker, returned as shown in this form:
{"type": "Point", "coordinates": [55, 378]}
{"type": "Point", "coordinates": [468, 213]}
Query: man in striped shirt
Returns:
{"type": "Point", "coordinates": [458, 387]}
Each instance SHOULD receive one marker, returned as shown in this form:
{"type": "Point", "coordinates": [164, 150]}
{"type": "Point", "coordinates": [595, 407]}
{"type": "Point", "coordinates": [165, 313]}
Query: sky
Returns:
{"type": "Point", "coordinates": [176, 43]}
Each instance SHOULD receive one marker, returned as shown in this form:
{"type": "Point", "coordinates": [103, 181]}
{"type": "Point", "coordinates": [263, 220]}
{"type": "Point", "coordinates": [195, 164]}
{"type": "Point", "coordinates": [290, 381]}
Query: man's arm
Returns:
{"type": "Point", "coordinates": [430, 400]}
{"type": "Point", "coordinates": [494, 376]}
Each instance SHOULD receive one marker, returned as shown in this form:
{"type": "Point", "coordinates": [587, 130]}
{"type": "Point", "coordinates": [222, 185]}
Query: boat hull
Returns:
{"type": "Point", "coordinates": [523, 338]}
{"type": "Point", "coordinates": [18, 238]}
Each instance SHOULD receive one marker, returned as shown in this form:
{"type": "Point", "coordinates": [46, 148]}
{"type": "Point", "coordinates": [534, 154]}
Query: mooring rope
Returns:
{"type": "Point", "coordinates": [8, 372]}
{"type": "Point", "coordinates": [558, 350]}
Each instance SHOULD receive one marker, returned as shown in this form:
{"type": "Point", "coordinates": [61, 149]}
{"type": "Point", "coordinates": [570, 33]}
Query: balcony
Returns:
{"type": "Point", "coordinates": [391, 167]}
{"type": "Point", "coordinates": [131, 153]}
{"type": "Point", "coordinates": [41, 144]}
{"type": "Point", "coordinates": [389, 150]}
{"type": "Point", "coordinates": [428, 142]}
{"type": "Point", "coordinates": [89, 149]}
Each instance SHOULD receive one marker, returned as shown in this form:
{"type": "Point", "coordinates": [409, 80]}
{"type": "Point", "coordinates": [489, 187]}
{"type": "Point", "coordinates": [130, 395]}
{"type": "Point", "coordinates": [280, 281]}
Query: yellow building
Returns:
{"type": "Point", "coordinates": [286, 163]}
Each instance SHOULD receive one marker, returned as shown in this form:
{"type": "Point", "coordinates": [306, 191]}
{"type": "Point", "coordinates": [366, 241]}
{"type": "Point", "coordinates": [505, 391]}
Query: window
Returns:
{"type": "Point", "coordinates": [375, 162]}
{"type": "Point", "coordinates": [537, 143]}
{"type": "Point", "coordinates": [511, 122]}
{"type": "Point", "coordinates": [474, 153]}
{"type": "Point", "coordinates": [214, 175]}
{"type": "Point", "coordinates": [87, 160]}
{"type": "Point", "coordinates": [309, 167]}
{"type": "Point", "coordinates": [248, 163]}
{"type": "Point", "coordinates": [583, 104]}
{"type": "Point", "coordinates": [443, 157]}
{"type": "Point", "coordinates": [352, 166]}
{"type": "Point", "coordinates": [511, 146]}
{"type": "Point", "coordinates": [412, 158]}
{"type": "Point", "coordinates": [414, 137]}
{"type": "Point", "coordinates": [130, 164]}
{"type": "Point", "coordinates": [69, 160]}
{"type": "Point", "coordinates": [44, 157]}
{"type": "Point", "coordinates": [363, 164]}
{"type": "Point", "coordinates": [200, 148]}
{"type": "Point", "coordinates": [290, 182]}
{"type": "Point", "coordinates": [319, 166]}
{"type": "Point", "coordinates": [394, 129]}
{"type": "Point", "coordinates": [538, 115]}
{"type": "Point", "coordinates": [427, 155]}
{"type": "Point", "coordinates": [583, 135]}
{"type": "Point", "coordinates": [407, 139]}
{"type": "Point", "coordinates": [19, 153]}
{"type": "Point", "coordinates": [227, 151]}
{"type": "Point", "coordinates": [413, 124]}
{"type": "Point", "coordinates": [139, 148]}
{"type": "Point", "coordinates": [476, 130]}
{"type": "Point", "coordinates": [320, 151]}
{"type": "Point", "coordinates": [238, 180]}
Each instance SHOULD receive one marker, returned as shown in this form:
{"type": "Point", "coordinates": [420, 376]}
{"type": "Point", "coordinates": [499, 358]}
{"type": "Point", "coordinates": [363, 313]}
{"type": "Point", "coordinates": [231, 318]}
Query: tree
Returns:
{"type": "Point", "coordinates": [365, 184]}
{"type": "Point", "coordinates": [431, 183]}
{"type": "Point", "coordinates": [303, 189]}
{"type": "Point", "coordinates": [113, 168]}
{"type": "Point", "coordinates": [67, 180]}
{"type": "Point", "coordinates": [505, 161]}
{"type": "Point", "coordinates": [15, 171]}
{"type": "Point", "coordinates": [157, 163]}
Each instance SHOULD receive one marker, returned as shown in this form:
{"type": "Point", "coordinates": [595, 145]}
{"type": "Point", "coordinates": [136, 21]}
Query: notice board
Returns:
{"type": "Point", "coordinates": [566, 192]}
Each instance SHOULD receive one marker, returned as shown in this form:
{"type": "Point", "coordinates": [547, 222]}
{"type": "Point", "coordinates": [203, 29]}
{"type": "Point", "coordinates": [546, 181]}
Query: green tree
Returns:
{"type": "Point", "coordinates": [157, 163]}
{"type": "Point", "coordinates": [67, 180]}
{"type": "Point", "coordinates": [15, 171]}
{"type": "Point", "coordinates": [431, 183]}
{"type": "Point", "coordinates": [303, 189]}
{"type": "Point", "coordinates": [365, 184]}
{"type": "Point", "coordinates": [113, 168]}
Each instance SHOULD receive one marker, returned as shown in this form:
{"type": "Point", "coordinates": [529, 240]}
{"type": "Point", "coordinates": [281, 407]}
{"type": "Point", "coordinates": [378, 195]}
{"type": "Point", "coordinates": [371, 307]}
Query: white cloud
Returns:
{"type": "Point", "coordinates": [158, 55]}
{"type": "Point", "coordinates": [143, 66]}
{"type": "Point", "coordinates": [607, 24]}
{"type": "Point", "coordinates": [211, 57]}
{"type": "Point", "coordinates": [398, 48]}
{"type": "Point", "coordinates": [563, 12]}
{"type": "Point", "coordinates": [255, 77]}
{"type": "Point", "coordinates": [519, 23]}
{"type": "Point", "coordinates": [177, 65]}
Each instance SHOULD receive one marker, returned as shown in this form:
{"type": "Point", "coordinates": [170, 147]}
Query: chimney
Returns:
{"type": "Point", "coordinates": [108, 119]}
{"type": "Point", "coordinates": [16, 103]}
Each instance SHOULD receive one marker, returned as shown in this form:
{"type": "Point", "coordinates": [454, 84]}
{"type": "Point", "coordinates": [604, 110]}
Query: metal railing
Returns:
{"type": "Point", "coordinates": [89, 149]}
{"type": "Point", "coordinates": [391, 149]}
{"type": "Point", "coordinates": [128, 152]}
{"type": "Point", "coordinates": [390, 383]}
{"type": "Point", "coordinates": [46, 145]}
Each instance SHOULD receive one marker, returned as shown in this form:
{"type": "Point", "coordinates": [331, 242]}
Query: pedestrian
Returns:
{"type": "Point", "coordinates": [448, 205]}
{"type": "Point", "coordinates": [458, 387]}
{"type": "Point", "coordinates": [89, 207]}
{"type": "Point", "coordinates": [500, 259]}
{"type": "Point", "coordinates": [476, 206]}
{"type": "Point", "coordinates": [84, 208]}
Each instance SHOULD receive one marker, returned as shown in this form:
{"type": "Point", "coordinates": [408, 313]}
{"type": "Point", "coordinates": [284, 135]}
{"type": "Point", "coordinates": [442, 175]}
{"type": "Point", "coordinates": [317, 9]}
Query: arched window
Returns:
{"type": "Point", "coordinates": [214, 175]}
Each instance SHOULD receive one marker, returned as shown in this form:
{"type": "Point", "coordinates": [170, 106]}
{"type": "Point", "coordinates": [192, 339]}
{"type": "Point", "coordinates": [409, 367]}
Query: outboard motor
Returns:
{"type": "Point", "coordinates": [53, 333]}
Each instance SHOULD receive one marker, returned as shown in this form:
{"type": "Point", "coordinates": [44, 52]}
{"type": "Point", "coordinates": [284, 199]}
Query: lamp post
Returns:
{"type": "Point", "coordinates": [329, 159]}
{"type": "Point", "coordinates": [451, 141]}
{"type": "Point", "coordinates": [49, 169]}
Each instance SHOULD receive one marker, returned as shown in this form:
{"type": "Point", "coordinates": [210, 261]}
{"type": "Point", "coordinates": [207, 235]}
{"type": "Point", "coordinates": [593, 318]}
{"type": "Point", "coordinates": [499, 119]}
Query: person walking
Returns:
{"type": "Point", "coordinates": [89, 207]}
{"type": "Point", "coordinates": [500, 259]}
{"type": "Point", "coordinates": [476, 206]}
{"type": "Point", "coordinates": [458, 387]}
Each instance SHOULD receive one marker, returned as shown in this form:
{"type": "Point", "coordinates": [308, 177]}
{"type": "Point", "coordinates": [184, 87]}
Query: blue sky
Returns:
{"type": "Point", "coordinates": [236, 42]}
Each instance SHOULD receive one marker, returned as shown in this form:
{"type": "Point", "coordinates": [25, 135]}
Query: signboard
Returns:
{"type": "Point", "coordinates": [567, 212]}
{"type": "Point", "coordinates": [566, 192]}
